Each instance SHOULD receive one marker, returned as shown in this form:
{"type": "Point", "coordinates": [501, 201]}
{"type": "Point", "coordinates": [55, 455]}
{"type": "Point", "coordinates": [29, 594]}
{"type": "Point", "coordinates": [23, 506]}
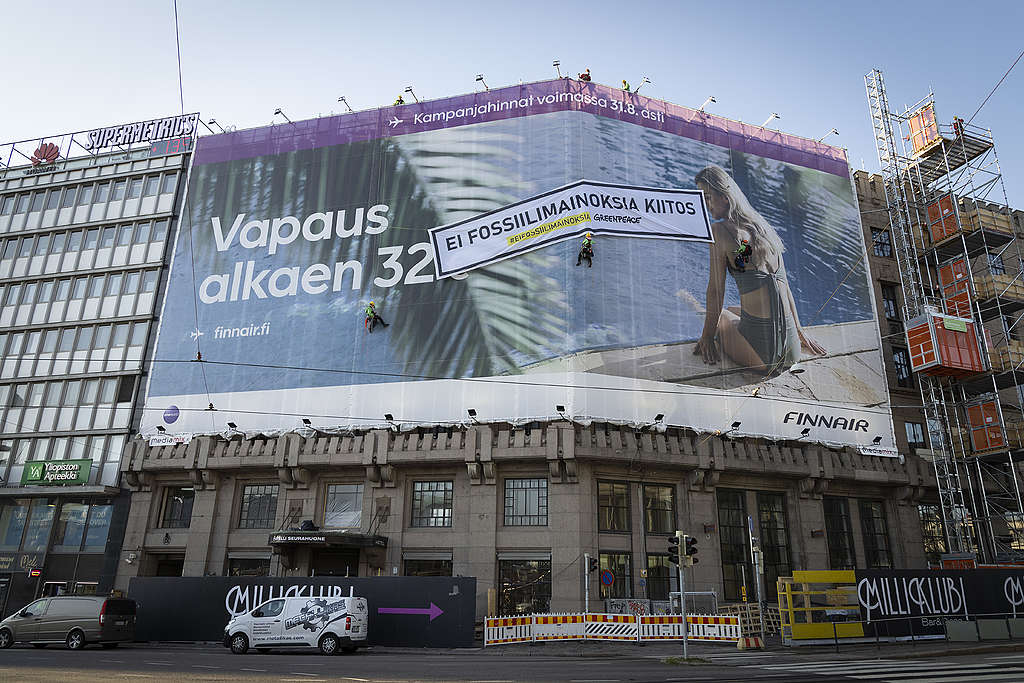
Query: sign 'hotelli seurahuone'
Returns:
{"type": "Point", "coordinates": [142, 131]}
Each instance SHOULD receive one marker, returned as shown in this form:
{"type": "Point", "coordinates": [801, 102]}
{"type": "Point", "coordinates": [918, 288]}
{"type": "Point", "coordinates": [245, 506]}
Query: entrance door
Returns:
{"type": "Point", "coordinates": [335, 563]}
{"type": "Point", "coordinates": [170, 566]}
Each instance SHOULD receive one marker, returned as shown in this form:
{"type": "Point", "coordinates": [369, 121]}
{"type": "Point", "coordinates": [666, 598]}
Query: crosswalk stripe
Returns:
{"type": "Point", "coordinates": [967, 668]}
{"type": "Point", "coordinates": [966, 679]}
{"type": "Point", "coordinates": [847, 666]}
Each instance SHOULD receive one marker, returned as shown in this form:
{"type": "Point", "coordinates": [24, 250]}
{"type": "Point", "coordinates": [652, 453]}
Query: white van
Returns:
{"type": "Point", "coordinates": [330, 624]}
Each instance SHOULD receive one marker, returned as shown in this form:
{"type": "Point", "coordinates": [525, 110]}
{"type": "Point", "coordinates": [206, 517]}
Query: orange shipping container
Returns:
{"type": "Point", "coordinates": [954, 276]}
{"type": "Point", "coordinates": [943, 219]}
{"type": "Point", "coordinates": [943, 345]}
{"type": "Point", "coordinates": [985, 425]}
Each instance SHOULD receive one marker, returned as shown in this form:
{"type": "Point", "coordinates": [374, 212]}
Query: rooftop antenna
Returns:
{"type": "Point", "coordinates": [345, 102]}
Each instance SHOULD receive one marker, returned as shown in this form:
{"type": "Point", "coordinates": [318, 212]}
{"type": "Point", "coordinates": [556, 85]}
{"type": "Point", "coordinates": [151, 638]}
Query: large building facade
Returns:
{"type": "Point", "coordinates": [276, 484]}
{"type": "Point", "coordinates": [83, 237]}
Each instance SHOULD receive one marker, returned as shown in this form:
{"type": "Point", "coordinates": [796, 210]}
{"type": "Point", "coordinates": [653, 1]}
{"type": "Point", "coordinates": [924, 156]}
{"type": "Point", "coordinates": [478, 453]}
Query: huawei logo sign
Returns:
{"type": "Point", "coordinates": [46, 154]}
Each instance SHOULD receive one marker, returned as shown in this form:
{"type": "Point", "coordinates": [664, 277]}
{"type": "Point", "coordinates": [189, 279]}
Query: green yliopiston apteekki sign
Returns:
{"type": "Point", "coordinates": [56, 472]}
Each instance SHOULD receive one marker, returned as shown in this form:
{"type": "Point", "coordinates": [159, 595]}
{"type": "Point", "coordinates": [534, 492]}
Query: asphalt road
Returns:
{"type": "Point", "coordinates": [206, 663]}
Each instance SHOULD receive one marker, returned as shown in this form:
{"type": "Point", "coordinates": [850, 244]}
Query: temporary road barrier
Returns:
{"type": "Point", "coordinates": [702, 627]}
{"type": "Point", "coordinates": [611, 627]}
{"type": "Point", "coordinates": [558, 627]}
{"type": "Point", "coordinates": [504, 630]}
{"type": "Point", "coordinates": [616, 627]}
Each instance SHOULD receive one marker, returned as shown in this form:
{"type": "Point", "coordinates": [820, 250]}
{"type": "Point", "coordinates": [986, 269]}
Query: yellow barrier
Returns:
{"type": "Point", "coordinates": [810, 601]}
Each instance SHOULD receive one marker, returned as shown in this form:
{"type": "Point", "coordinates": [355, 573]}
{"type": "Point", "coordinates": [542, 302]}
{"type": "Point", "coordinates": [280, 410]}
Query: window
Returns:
{"type": "Point", "coordinates": [876, 534]}
{"type": "Point", "coordinates": [343, 508]}
{"type": "Point", "coordinates": [37, 201]}
{"type": "Point", "coordinates": [428, 567]}
{"type": "Point", "coordinates": [37, 534]}
{"type": "Point", "coordinates": [915, 434]}
{"type": "Point", "coordinates": [933, 535]}
{"type": "Point", "coordinates": [661, 577]}
{"type": "Point", "coordinates": [839, 534]}
{"type": "Point", "coordinates": [890, 301]}
{"type": "Point", "coordinates": [259, 506]}
{"type": "Point", "coordinates": [771, 509]}
{"type": "Point", "coordinates": [901, 364]}
{"type": "Point", "coordinates": [620, 565]}
{"type": "Point", "coordinates": [152, 183]}
{"type": "Point", "coordinates": [69, 198]}
{"type": "Point", "coordinates": [996, 265]}
{"type": "Point", "coordinates": [525, 586]}
{"type": "Point", "coordinates": [170, 181]}
{"type": "Point", "coordinates": [134, 188]}
{"type": "Point", "coordinates": [119, 186]}
{"type": "Point", "coordinates": [881, 243]}
{"type": "Point", "coordinates": [432, 503]}
{"type": "Point", "coordinates": [70, 527]}
{"type": "Point", "coordinates": [269, 609]}
{"type": "Point", "coordinates": [98, 528]}
{"type": "Point", "coordinates": [13, 514]}
{"type": "Point", "coordinates": [733, 534]}
{"type": "Point", "coordinates": [53, 200]}
{"type": "Point", "coordinates": [659, 509]}
{"type": "Point", "coordinates": [526, 502]}
{"type": "Point", "coordinates": [612, 506]}
{"type": "Point", "coordinates": [248, 566]}
{"type": "Point", "coordinates": [177, 512]}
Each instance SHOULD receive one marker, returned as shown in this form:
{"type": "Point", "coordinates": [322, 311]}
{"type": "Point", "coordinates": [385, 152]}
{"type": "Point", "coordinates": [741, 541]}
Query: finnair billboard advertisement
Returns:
{"type": "Point", "coordinates": [721, 280]}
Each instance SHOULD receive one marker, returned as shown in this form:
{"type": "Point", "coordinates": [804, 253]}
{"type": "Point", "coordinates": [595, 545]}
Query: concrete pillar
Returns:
{"type": "Point", "coordinates": [134, 538]}
{"type": "Point", "coordinates": [204, 509]}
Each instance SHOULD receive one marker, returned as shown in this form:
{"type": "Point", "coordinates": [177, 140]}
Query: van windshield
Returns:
{"type": "Point", "coordinates": [120, 607]}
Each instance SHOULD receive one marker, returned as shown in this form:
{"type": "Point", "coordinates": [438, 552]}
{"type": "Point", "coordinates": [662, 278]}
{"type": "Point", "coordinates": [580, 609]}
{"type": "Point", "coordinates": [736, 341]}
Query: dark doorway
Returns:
{"type": "Point", "coordinates": [169, 566]}
{"type": "Point", "coordinates": [334, 563]}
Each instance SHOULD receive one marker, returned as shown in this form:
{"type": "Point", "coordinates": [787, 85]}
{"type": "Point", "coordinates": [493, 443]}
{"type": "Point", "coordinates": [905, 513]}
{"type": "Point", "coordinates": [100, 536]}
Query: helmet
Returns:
{"type": "Point", "coordinates": [371, 303]}
{"type": "Point", "coordinates": [589, 234]}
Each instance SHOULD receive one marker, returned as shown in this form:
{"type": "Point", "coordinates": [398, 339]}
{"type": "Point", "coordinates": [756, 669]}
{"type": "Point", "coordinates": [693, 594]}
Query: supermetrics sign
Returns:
{"type": "Point", "coordinates": [142, 131]}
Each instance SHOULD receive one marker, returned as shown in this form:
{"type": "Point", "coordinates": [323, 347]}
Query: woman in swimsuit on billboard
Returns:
{"type": "Point", "coordinates": [764, 333]}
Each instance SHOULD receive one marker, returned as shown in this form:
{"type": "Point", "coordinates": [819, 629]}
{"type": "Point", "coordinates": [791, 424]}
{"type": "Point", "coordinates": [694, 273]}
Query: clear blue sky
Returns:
{"type": "Point", "coordinates": [87, 64]}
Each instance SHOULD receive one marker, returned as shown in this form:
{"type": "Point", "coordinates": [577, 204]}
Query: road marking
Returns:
{"type": "Point", "coordinates": [159, 663]}
{"type": "Point", "coordinates": [204, 666]}
{"type": "Point", "coordinates": [294, 680]}
{"type": "Point", "coordinates": [258, 671]}
{"type": "Point", "coordinates": [593, 680]}
{"type": "Point", "coordinates": [115, 661]}
{"type": "Point", "coordinates": [968, 677]}
{"type": "Point", "coordinates": [135, 675]}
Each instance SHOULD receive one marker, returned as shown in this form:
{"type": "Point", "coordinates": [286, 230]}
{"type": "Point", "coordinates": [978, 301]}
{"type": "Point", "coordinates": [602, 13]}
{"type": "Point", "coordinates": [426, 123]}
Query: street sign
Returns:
{"type": "Point", "coordinates": [607, 578]}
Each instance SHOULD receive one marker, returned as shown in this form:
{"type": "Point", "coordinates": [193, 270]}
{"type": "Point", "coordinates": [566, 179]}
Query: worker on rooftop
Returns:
{"type": "Point", "coordinates": [625, 85]}
{"type": "Point", "coordinates": [585, 76]}
{"type": "Point", "coordinates": [399, 100]}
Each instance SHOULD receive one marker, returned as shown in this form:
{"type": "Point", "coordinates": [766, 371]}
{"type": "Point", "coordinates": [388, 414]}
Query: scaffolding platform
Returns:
{"type": "Point", "coordinates": [1008, 289]}
{"type": "Point", "coordinates": [948, 155]}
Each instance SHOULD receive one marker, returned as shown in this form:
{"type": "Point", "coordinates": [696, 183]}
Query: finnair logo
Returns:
{"type": "Point", "coordinates": [196, 334]}
{"type": "Point", "coordinates": [395, 121]}
{"type": "Point", "coordinates": [252, 330]}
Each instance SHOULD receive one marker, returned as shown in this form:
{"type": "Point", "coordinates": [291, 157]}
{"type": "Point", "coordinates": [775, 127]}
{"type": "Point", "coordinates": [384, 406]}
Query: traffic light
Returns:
{"type": "Point", "coordinates": [690, 549]}
{"type": "Point", "coordinates": [592, 565]}
{"type": "Point", "coordinates": [673, 548]}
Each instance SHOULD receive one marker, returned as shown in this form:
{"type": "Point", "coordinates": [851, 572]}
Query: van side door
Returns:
{"type": "Point", "coordinates": [267, 623]}
{"type": "Point", "coordinates": [27, 625]}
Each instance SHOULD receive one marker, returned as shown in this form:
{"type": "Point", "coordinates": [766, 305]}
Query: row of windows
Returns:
{"type": "Point", "coordinates": [89, 193]}
{"type": "Point", "coordinates": [81, 298]}
{"type": "Point", "coordinates": [81, 526]}
{"type": "Point", "coordinates": [66, 405]}
{"type": "Point", "coordinates": [613, 507]}
{"type": "Point", "coordinates": [72, 350]}
{"type": "Point", "coordinates": [68, 251]}
{"type": "Point", "coordinates": [839, 533]}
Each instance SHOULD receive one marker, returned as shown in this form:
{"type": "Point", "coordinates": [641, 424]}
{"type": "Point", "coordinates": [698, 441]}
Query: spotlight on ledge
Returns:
{"type": "Point", "coordinates": [659, 417]}
{"type": "Point", "coordinates": [805, 432]}
{"type": "Point", "coordinates": [160, 428]}
{"type": "Point", "coordinates": [471, 412]}
{"type": "Point", "coordinates": [306, 421]}
{"type": "Point", "coordinates": [877, 440]}
{"type": "Point", "coordinates": [389, 417]}
{"type": "Point", "coordinates": [736, 425]}
{"type": "Point", "coordinates": [560, 409]}
{"type": "Point", "coordinates": [232, 425]}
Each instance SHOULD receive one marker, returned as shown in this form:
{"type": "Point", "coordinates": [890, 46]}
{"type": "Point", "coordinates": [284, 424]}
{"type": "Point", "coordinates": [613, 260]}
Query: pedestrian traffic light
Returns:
{"type": "Point", "coordinates": [592, 564]}
{"type": "Point", "coordinates": [690, 549]}
{"type": "Point", "coordinates": [674, 554]}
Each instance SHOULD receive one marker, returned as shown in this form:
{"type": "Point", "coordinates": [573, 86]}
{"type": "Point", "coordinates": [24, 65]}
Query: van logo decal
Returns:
{"type": "Point", "coordinates": [316, 615]}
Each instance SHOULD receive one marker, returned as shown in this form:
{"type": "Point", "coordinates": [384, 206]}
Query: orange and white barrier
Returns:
{"type": "Point", "coordinates": [611, 627]}
{"type": "Point", "coordinates": [558, 627]}
{"type": "Point", "coordinates": [620, 627]}
{"type": "Point", "coordinates": [750, 643]}
{"type": "Point", "coordinates": [504, 630]}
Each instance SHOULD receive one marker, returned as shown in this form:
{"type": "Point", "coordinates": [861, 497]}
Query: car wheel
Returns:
{"type": "Point", "coordinates": [329, 644]}
{"type": "Point", "coordinates": [39, 645]}
{"type": "Point", "coordinates": [109, 646]}
{"type": "Point", "coordinates": [6, 638]}
{"type": "Point", "coordinates": [349, 649]}
{"type": "Point", "coordinates": [239, 643]}
{"type": "Point", "coordinates": [75, 640]}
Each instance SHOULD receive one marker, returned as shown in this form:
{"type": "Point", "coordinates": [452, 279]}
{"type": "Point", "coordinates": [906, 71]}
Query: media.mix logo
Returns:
{"type": "Point", "coordinates": [46, 153]}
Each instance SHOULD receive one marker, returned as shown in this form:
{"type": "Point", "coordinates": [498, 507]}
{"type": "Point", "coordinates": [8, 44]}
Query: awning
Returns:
{"type": "Point", "coordinates": [339, 538]}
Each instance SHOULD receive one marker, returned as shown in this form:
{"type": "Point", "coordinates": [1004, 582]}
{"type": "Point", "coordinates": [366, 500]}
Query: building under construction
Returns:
{"type": "Point", "coordinates": [957, 249]}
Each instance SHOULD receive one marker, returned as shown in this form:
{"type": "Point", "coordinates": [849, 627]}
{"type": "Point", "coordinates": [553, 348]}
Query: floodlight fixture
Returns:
{"type": "Point", "coordinates": [805, 432]}
{"type": "Point", "coordinates": [471, 411]}
{"type": "Point", "coordinates": [232, 425]}
{"type": "Point", "coordinates": [389, 417]}
{"type": "Point", "coordinates": [213, 122]}
{"type": "Point", "coordinates": [797, 369]}
{"type": "Point", "coordinates": [834, 131]}
{"type": "Point", "coordinates": [642, 81]}
{"type": "Point", "coordinates": [409, 90]}
{"type": "Point", "coordinates": [736, 425]}
{"type": "Point", "coordinates": [306, 421]}
{"type": "Point", "coordinates": [480, 77]}
{"type": "Point", "coordinates": [557, 64]}
{"type": "Point", "coordinates": [283, 115]}
{"type": "Point", "coordinates": [711, 99]}
{"type": "Point", "coordinates": [877, 440]}
{"type": "Point", "coordinates": [161, 429]}
{"type": "Point", "coordinates": [659, 417]}
{"type": "Point", "coordinates": [559, 409]}
{"type": "Point", "coordinates": [770, 119]}
{"type": "Point", "coordinates": [345, 102]}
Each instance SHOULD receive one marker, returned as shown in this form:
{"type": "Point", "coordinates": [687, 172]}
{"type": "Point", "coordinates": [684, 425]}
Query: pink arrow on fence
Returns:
{"type": "Point", "coordinates": [434, 611]}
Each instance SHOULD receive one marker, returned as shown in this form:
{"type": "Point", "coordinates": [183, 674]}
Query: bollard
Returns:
{"type": "Point", "coordinates": [835, 636]}
{"type": "Point", "coordinates": [910, 622]}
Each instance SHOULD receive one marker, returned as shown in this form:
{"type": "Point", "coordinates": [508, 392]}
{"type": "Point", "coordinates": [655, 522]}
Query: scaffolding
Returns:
{"type": "Point", "coordinates": [953, 235]}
